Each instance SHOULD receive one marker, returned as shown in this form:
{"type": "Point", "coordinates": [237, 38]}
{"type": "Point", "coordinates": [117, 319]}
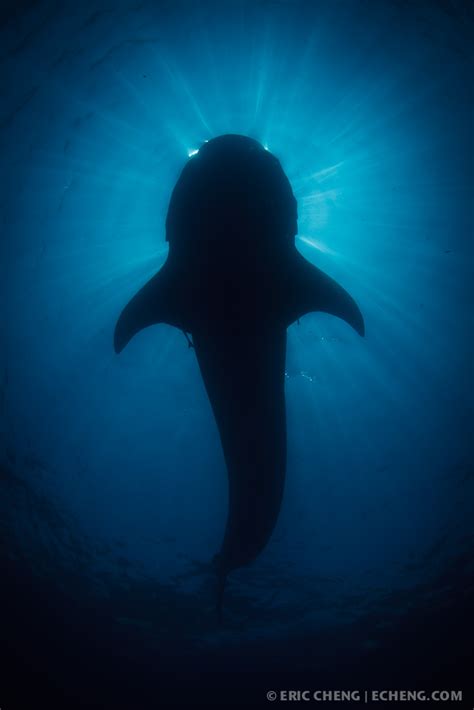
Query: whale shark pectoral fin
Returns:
{"type": "Point", "coordinates": [156, 302]}
{"type": "Point", "coordinates": [316, 291]}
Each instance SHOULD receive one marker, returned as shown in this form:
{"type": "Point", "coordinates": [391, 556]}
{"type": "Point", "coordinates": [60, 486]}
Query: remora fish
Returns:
{"type": "Point", "coordinates": [235, 281]}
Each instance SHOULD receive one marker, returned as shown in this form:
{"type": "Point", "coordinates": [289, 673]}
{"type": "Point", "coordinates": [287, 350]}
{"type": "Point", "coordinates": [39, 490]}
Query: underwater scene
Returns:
{"type": "Point", "coordinates": [113, 483]}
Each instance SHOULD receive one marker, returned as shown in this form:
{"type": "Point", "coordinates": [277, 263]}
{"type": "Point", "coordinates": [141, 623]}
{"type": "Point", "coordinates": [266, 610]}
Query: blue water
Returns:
{"type": "Point", "coordinates": [113, 481]}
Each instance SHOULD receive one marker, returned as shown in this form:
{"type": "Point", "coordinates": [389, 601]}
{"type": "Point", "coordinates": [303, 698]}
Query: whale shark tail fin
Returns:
{"type": "Point", "coordinates": [157, 302]}
{"type": "Point", "coordinates": [314, 290]}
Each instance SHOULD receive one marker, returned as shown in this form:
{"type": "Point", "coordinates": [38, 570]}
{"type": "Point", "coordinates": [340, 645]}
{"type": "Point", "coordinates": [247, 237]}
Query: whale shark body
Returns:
{"type": "Point", "coordinates": [234, 281]}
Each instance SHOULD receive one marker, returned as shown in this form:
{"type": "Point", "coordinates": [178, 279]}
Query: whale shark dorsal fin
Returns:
{"type": "Point", "coordinates": [313, 290]}
{"type": "Point", "coordinates": [156, 302]}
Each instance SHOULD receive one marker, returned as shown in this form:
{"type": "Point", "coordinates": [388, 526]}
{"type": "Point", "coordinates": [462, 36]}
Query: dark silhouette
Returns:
{"type": "Point", "coordinates": [235, 281]}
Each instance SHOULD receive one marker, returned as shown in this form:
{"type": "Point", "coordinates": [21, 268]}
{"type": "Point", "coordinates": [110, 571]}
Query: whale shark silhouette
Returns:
{"type": "Point", "coordinates": [234, 281]}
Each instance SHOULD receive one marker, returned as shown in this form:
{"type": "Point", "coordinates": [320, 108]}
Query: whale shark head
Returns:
{"type": "Point", "coordinates": [231, 226]}
{"type": "Point", "coordinates": [232, 197]}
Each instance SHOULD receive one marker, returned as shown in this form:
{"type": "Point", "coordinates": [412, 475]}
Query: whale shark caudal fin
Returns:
{"type": "Point", "coordinates": [310, 289]}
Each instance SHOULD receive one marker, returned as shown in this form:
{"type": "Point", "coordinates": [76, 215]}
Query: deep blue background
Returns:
{"type": "Point", "coordinates": [113, 485]}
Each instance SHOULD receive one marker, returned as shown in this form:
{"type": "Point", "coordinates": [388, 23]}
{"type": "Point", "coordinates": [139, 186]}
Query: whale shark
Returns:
{"type": "Point", "coordinates": [233, 282]}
